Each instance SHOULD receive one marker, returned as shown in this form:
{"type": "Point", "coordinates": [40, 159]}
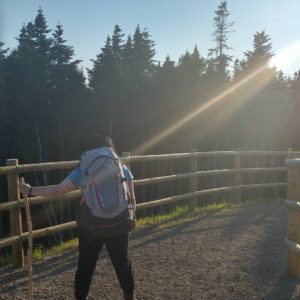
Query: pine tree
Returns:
{"type": "Point", "coordinates": [3, 54]}
{"type": "Point", "coordinates": [128, 55]}
{"type": "Point", "coordinates": [20, 90]}
{"type": "Point", "coordinates": [257, 93]}
{"type": "Point", "coordinates": [143, 53]}
{"type": "Point", "coordinates": [28, 90]}
{"type": "Point", "coordinates": [67, 92]}
{"type": "Point", "coordinates": [60, 53]}
{"type": "Point", "coordinates": [102, 83]}
{"type": "Point", "coordinates": [3, 112]}
{"type": "Point", "coordinates": [117, 46]}
{"type": "Point", "coordinates": [41, 77]}
{"type": "Point", "coordinates": [191, 67]}
{"type": "Point", "coordinates": [102, 67]}
{"type": "Point", "coordinates": [262, 52]}
{"type": "Point", "coordinates": [219, 54]}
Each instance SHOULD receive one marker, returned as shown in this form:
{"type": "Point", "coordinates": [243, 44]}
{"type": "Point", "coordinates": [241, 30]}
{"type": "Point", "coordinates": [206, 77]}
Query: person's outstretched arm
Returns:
{"type": "Point", "coordinates": [64, 187]}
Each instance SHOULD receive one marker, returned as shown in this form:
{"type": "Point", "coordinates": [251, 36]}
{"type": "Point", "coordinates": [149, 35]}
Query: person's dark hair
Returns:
{"type": "Point", "coordinates": [105, 141]}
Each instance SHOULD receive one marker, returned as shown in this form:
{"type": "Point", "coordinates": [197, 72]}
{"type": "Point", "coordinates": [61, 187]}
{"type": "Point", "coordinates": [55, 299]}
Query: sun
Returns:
{"type": "Point", "coordinates": [286, 57]}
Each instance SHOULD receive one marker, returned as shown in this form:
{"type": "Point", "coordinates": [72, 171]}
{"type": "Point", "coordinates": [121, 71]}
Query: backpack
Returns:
{"type": "Point", "coordinates": [105, 211]}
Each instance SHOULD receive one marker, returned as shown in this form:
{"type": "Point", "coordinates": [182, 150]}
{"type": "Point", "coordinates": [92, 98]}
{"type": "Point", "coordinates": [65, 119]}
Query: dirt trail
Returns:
{"type": "Point", "coordinates": [236, 253]}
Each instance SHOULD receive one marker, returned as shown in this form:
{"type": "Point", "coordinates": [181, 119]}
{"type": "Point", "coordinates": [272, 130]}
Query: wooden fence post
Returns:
{"type": "Point", "coordinates": [293, 233]}
{"type": "Point", "coordinates": [15, 216]}
{"type": "Point", "coordinates": [127, 155]}
{"type": "Point", "coordinates": [256, 193]}
{"type": "Point", "coordinates": [194, 180]}
{"type": "Point", "coordinates": [237, 176]}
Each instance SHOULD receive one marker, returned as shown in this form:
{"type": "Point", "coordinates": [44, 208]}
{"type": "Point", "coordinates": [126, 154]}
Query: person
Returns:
{"type": "Point", "coordinates": [90, 246]}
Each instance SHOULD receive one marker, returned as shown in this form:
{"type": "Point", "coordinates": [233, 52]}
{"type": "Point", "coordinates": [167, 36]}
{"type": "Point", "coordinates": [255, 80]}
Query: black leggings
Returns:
{"type": "Point", "coordinates": [89, 250]}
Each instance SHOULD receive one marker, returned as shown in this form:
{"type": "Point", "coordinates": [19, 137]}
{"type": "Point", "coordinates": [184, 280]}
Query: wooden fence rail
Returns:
{"type": "Point", "coordinates": [14, 205]}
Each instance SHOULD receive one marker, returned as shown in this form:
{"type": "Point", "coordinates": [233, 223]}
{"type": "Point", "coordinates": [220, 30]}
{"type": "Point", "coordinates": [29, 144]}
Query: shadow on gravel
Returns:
{"type": "Point", "coordinates": [41, 270]}
{"type": "Point", "coordinates": [233, 227]}
{"type": "Point", "coordinates": [284, 289]}
{"type": "Point", "coordinates": [155, 228]}
{"type": "Point", "coordinates": [266, 269]}
{"type": "Point", "coordinates": [161, 234]}
{"type": "Point", "coordinates": [270, 265]}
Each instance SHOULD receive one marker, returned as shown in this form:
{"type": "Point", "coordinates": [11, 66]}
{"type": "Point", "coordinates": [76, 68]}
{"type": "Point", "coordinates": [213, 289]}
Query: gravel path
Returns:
{"type": "Point", "coordinates": [235, 253]}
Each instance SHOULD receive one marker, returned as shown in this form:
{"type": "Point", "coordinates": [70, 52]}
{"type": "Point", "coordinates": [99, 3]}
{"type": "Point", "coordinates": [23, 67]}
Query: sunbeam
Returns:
{"type": "Point", "coordinates": [169, 130]}
{"type": "Point", "coordinates": [284, 58]}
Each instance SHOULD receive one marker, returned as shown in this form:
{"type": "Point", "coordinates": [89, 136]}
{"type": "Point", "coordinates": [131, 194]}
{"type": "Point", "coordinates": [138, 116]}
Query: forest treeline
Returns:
{"type": "Point", "coordinates": [49, 111]}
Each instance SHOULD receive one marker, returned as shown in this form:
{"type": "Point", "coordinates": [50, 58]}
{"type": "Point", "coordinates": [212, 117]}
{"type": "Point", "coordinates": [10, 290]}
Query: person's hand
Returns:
{"type": "Point", "coordinates": [25, 188]}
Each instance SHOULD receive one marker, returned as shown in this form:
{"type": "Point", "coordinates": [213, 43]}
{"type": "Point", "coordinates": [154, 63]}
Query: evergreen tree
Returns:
{"type": "Point", "coordinates": [128, 59]}
{"type": "Point", "coordinates": [257, 94]}
{"type": "Point", "coordinates": [143, 52]}
{"type": "Point", "coordinates": [28, 92]}
{"type": "Point", "coordinates": [20, 101]}
{"type": "Point", "coordinates": [162, 92]}
{"type": "Point", "coordinates": [60, 53]}
{"type": "Point", "coordinates": [191, 67]}
{"type": "Point", "coordinates": [67, 94]}
{"type": "Point", "coordinates": [219, 54]}
{"type": "Point", "coordinates": [3, 112]}
{"type": "Point", "coordinates": [3, 55]}
{"type": "Point", "coordinates": [102, 81]}
{"type": "Point", "coordinates": [102, 65]}
{"type": "Point", "coordinates": [168, 65]}
{"type": "Point", "coordinates": [28, 86]}
{"type": "Point", "coordinates": [42, 62]}
{"type": "Point", "coordinates": [262, 52]}
{"type": "Point", "coordinates": [237, 69]}
{"type": "Point", "coordinates": [117, 46]}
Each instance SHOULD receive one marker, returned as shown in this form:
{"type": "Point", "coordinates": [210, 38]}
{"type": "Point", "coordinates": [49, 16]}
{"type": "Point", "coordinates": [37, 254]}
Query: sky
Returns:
{"type": "Point", "coordinates": [174, 25]}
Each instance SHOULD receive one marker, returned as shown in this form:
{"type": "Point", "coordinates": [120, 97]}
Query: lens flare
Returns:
{"type": "Point", "coordinates": [286, 57]}
{"type": "Point", "coordinates": [195, 113]}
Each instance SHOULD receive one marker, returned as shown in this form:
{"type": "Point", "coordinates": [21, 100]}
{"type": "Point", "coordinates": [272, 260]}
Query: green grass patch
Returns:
{"type": "Point", "coordinates": [63, 246]}
{"type": "Point", "coordinates": [37, 253]}
{"type": "Point", "coordinates": [178, 215]}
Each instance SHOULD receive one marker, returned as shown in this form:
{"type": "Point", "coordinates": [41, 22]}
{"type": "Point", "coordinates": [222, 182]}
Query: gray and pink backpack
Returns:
{"type": "Point", "coordinates": [105, 210]}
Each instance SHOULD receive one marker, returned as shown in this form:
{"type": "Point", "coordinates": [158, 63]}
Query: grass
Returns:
{"type": "Point", "coordinates": [178, 215]}
{"type": "Point", "coordinates": [37, 253]}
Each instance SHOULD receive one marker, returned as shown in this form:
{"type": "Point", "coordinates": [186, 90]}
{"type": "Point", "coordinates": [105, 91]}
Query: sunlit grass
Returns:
{"type": "Point", "coordinates": [37, 253]}
{"type": "Point", "coordinates": [64, 246]}
{"type": "Point", "coordinates": [178, 215]}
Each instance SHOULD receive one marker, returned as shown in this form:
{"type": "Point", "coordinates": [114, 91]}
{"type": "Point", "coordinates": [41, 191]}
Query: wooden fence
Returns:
{"type": "Point", "coordinates": [292, 204]}
{"type": "Point", "coordinates": [13, 170]}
